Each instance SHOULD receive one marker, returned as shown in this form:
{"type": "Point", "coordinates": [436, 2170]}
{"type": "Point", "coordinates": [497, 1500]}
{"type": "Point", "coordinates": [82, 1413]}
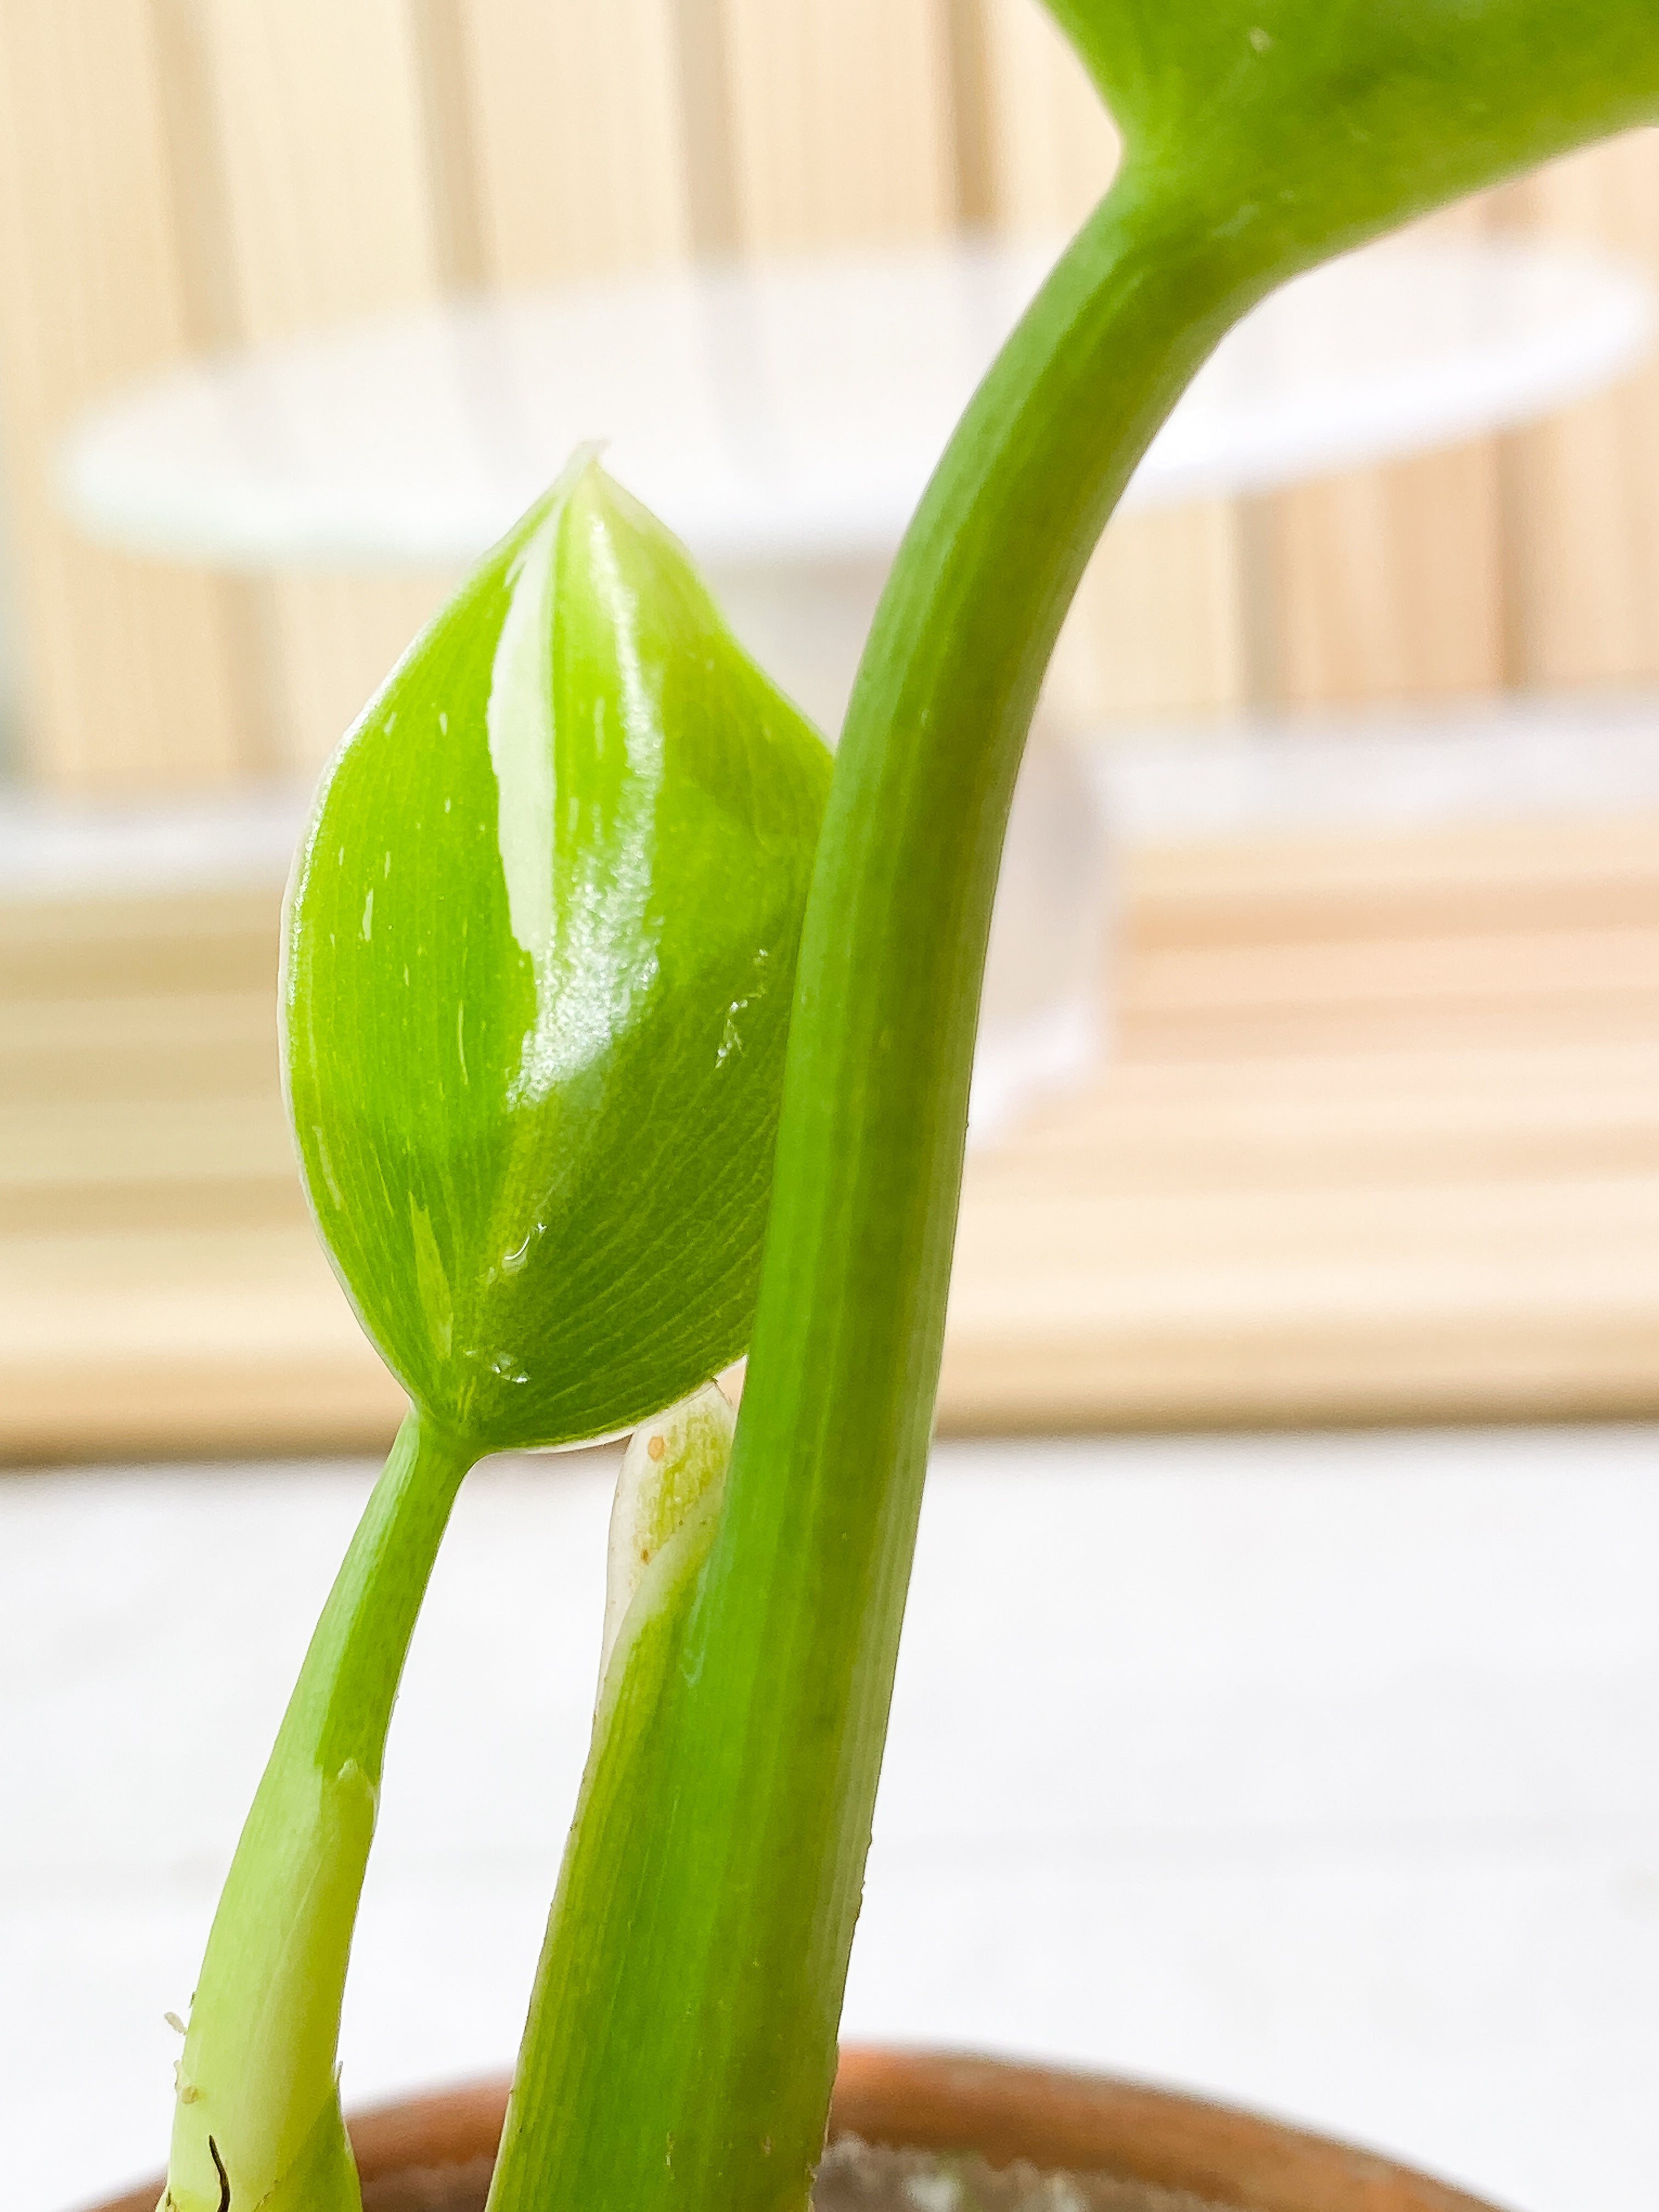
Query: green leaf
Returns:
{"type": "Point", "coordinates": [1300, 126]}
{"type": "Point", "coordinates": [538, 959]}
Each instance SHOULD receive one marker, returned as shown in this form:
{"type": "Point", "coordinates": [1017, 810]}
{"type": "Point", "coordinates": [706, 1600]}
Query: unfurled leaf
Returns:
{"type": "Point", "coordinates": [1297, 127]}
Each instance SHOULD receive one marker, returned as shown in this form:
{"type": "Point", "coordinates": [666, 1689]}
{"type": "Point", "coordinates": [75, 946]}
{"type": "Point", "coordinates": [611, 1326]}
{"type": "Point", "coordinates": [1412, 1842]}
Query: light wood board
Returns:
{"type": "Point", "coordinates": [1380, 1141]}
{"type": "Point", "coordinates": [1385, 582]}
{"type": "Point", "coordinates": [1581, 490]}
{"type": "Point", "coordinates": [134, 675]}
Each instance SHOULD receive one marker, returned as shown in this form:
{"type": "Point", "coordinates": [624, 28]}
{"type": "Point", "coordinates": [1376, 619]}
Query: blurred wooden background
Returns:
{"type": "Point", "coordinates": [1380, 1137]}
{"type": "Point", "coordinates": [1379, 1140]}
{"type": "Point", "coordinates": [179, 175]}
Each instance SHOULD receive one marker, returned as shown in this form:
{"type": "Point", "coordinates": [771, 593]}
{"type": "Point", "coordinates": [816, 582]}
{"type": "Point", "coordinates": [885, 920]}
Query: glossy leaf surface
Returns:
{"type": "Point", "coordinates": [1295, 127]}
{"type": "Point", "coordinates": [539, 953]}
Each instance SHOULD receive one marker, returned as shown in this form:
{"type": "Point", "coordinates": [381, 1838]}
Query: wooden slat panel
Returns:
{"type": "Point", "coordinates": [322, 160]}
{"type": "Point", "coordinates": [1483, 974]}
{"type": "Point", "coordinates": [443, 59]}
{"type": "Point", "coordinates": [575, 126]}
{"type": "Point", "coordinates": [320, 131]}
{"type": "Point", "coordinates": [1583, 487]}
{"type": "Point", "coordinates": [134, 672]}
{"type": "Point", "coordinates": [236, 1340]}
{"type": "Point", "coordinates": [72, 950]}
{"type": "Point", "coordinates": [75, 1167]}
{"type": "Point", "coordinates": [1556, 874]}
{"type": "Point", "coordinates": [1160, 623]}
{"type": "Point", "coordinates": [1357, 1120]}
{"type": "Point", "coordinates": [1160, 626]}
{"type": "Point", "coordinates": [841, 120]}
{"type": "Point", "coordinates": [1460, 1324]}
{"type": "Point", "coordinates": [178, 1045]}
{"type": "Point", "coordinates": [1388, 583]}
{"type": "Point", "coordinates": [1052, 146]}
{"type": "Point", "coordinates": [339, 639]}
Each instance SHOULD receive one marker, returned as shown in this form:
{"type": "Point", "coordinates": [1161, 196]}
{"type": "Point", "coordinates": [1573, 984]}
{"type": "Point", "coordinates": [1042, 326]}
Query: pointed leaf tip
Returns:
{"type": "Point", "coordinates": [538, 958]}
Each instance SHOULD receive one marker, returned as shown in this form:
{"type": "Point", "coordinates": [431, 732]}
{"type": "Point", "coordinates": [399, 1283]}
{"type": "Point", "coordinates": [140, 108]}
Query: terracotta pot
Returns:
{"type": "Point", "coordinates": [433, 2153]}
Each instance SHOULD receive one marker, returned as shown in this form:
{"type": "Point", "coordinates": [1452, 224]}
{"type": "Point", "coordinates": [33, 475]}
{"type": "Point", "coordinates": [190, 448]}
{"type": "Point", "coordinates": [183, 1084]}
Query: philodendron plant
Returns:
{"type": "Point", "coordinates": [619, 1034]}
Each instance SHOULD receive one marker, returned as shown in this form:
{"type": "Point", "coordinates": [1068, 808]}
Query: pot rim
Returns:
{"type": "Point", "coordinates": [1007, 2109]}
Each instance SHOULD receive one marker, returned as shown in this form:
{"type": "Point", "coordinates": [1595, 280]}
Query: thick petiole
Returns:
{"type": "Point", "coordinates": [258, 2112]}
{"type": "Point", "coordinates": [681, 2041]}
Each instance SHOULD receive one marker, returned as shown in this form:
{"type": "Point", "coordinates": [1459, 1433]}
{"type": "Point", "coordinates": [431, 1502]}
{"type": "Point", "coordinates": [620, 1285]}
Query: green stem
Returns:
{"type": "Point", "coordinates": [256, 2079]}
{"type": "Point", "coordinates": [681, 2044]}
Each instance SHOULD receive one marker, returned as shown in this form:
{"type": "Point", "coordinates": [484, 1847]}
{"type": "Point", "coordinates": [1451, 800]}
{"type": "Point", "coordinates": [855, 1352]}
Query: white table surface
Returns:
{"type": "Point", "coordinates": [784, 417]}
{"type": "Point", "coordinates": [793, 409]}
{"type": "Point", "coordinates": [1319, 1772]}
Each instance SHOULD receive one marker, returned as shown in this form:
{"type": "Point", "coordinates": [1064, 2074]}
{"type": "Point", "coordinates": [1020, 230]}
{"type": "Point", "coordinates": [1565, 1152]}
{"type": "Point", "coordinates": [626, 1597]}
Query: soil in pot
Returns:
{"type": "Point", "coordinates": [856, 2176]}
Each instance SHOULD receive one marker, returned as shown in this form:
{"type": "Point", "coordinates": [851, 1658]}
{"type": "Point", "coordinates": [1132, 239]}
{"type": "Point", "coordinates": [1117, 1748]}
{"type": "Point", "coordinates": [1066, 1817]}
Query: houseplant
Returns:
{"type": "Point", "coordinates": [581, 920]}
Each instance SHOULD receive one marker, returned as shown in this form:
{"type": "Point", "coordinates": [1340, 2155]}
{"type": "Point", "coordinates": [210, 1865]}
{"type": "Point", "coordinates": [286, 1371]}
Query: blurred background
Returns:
{"type": "Point", "coordinates": [1279, 1711]}
{"type": "Point", "coordinates": [1374, 747]}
